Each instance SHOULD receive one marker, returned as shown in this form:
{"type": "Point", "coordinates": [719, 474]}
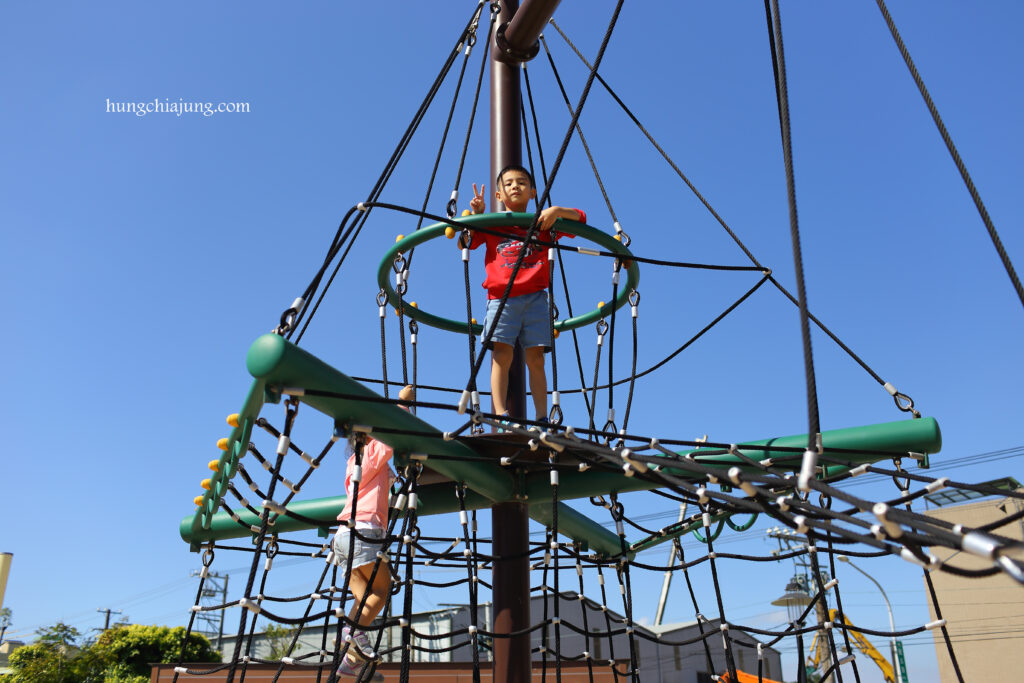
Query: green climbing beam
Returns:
{"type": "Point", "coordinates": [905, 436]}
{"type": "Point", "coordinates": [281, 367]}
{"type": "Point", "coordinates": [434, 499]}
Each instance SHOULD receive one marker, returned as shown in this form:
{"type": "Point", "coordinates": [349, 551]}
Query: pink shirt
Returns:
{"type": "Point", "coordinates": [374, 486]}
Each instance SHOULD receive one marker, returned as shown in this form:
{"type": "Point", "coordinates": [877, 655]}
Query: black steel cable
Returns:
{"type": "Point", "coordinates": [782, 96]}
{"type": "Point", "coordinates": [960, 165]}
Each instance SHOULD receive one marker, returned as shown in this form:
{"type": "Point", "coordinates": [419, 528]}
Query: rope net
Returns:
{"type": "Point", "coordinates": [587, 562]}
{"type": "Point", "coordinates": [583, 612]}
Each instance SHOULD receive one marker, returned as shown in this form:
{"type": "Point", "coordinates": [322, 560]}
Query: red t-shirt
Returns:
{"type": "Point", "coordinates": [500, 259]}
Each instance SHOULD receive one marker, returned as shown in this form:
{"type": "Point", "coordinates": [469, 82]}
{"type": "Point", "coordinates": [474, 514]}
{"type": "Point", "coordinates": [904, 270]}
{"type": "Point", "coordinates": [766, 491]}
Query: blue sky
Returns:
{"type": "Point", "coordinates": [141, 255]}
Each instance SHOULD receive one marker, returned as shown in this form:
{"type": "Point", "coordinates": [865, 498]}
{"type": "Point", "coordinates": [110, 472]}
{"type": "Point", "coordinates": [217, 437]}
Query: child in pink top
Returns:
{"type": "Point", "coordinates": [358, 552]}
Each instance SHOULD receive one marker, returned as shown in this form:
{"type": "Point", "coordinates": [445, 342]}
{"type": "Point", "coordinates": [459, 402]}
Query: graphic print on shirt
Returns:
{"type": "Point", "coordinates": [508, 249]}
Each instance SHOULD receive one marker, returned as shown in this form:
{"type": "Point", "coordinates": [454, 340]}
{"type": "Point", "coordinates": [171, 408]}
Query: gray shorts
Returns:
{"type": "Point", "coordinates": [525, 318]}
{"type": "Point", "coordinates": [365, 552]}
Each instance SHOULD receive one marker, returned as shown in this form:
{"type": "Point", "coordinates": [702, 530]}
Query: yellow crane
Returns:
{"type": "Point", "coordinates": [863, 644]}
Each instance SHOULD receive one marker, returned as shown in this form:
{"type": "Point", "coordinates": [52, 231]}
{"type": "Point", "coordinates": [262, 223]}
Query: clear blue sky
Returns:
{"type": "Point", "coordinates": [141, 255]}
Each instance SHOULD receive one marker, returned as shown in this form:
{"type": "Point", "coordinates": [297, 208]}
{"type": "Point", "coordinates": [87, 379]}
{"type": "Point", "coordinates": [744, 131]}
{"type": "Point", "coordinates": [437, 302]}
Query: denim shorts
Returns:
{"type": "Point", "coordinates": [524, 317]}
{"type": "Point", "coordinates": [365, 552]}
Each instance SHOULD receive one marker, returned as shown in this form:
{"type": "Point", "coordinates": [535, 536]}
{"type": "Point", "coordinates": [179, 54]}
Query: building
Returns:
{"type": "Point", "coordinates": [670, 653]}
{"type": "Point", "coordinates": [6, 648]}
{"type": "Point", "coordinates": [984, 616]}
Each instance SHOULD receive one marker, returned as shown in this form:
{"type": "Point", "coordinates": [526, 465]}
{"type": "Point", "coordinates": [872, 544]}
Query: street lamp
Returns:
{"type": "Point", "coordinates": [794, 599]}
{"type": "Point", "coordinates": [888, 606]}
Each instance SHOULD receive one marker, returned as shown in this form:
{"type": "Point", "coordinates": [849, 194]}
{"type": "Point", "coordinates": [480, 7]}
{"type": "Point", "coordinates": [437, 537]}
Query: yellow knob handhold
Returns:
{"type": "Point", "coordinates": [556, 334]}
{"type": "Point", "coordinates": [600, 304]}
{"type": "Point", "coordinates": [466, 212]}
{"type": "Point", "coordinates": [413, 304]}
{"type": "Point", "coordinates": [449, 232]}
{"type": "Point", "coordinates": [222, 443]}
{"type": "Point", "coordinates": [399, 238]}
{"type": "Point", "coordinates": [473, 320]}
{"type": "Point", "coordinates": [233, 419]}
{"type": "Point", "coordinates": [617, 237]}
{"type": "Point", "coordinates": [205, 483]}
{"type": "Point", "coordinates": [214, 465]}
{"type": "Point", "coordinates": [198, 500]}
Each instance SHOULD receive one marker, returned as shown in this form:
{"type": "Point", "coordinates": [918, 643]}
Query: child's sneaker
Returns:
{"type": "Point", "coordinates": [355, 669]}
{"type": "Point", "coordinates": [504, 423]}
{"type": "Point", "coordinates": [361, 647]}
{"type": "Point", "coordinates": [347, 668]}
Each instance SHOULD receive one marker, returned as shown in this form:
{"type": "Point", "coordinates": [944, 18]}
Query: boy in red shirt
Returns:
{"type": "Point", "coordinates": [525, 316]}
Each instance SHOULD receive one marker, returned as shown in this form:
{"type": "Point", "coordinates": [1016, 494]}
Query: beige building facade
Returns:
{"type": "Point", "coordinates": [984, 616]}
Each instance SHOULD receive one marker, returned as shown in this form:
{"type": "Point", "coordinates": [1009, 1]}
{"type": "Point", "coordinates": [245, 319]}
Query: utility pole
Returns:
{"type": "Point", "coordinates": [515, 39]}
{"type": "Point", "coordinates": [108, 612]}
{"type": "Point", "coordinates": [793, 541]}
{"type": "Point", "coordinates": [214, 593]}
{"type": "Point", "coordinates": [5, 621]}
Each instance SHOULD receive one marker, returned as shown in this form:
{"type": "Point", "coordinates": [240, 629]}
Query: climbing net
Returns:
{"type": "Point", "coordinates": [829, 520]}
{"type": "Point", "coordinates": [798, 485]}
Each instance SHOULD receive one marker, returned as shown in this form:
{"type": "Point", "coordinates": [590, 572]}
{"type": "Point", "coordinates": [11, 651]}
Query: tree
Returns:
{"type": "Point", "coordinates": [48, 659]}
{"type": "Point", "coordinates": [126, 652]}
{"type": "Point", "coordinates": [119, 655]}
{"type": "Point", "coordinates": [280, 639]}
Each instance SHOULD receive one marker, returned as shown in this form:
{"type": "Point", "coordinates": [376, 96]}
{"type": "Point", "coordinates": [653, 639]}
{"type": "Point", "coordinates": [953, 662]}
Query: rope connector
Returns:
{"type": "Point", "coordinates": [289, 315]}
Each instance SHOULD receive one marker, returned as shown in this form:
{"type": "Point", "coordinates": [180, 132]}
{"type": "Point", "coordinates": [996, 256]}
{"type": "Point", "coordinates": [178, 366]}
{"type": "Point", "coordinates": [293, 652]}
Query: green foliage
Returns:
{"type": "Point", "coordinates": [138, 646]}
{"type": "Point", "coordinates": [279, 638]}
{"type": "Point", "coordinates": [42, 663]}
{"type": "Point", "coordinates": [120, 655]}
{"type": "Point", "coordinates": [60, 634]}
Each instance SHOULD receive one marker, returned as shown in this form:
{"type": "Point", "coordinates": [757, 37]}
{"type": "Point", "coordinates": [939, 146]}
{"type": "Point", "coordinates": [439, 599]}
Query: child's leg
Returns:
{"type": "Point", "coordinates": [501, 362]}
{"type": "Point", "coordinates": [377, 596]}
{"type": "Point", "coordinates": [538, 379]}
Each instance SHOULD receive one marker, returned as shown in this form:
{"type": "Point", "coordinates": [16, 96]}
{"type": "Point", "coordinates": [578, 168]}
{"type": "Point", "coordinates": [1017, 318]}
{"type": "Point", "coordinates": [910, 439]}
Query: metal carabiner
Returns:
{"type": "Point", "coordinates": [908, 407]}
{"type": "Point", "coordinates": [902, 483]}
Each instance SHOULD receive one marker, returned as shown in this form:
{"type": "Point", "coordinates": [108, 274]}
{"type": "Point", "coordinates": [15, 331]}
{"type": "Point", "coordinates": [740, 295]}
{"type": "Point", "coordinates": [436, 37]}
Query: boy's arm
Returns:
{"type": "Point", "coordinates": [549, 215]}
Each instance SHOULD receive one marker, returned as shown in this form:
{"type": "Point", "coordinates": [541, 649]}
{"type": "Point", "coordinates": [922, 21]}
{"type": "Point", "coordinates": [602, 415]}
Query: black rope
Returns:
{"type": "Point", "coordinates": [347, 236]}
{"type": "Point", "coordinates": [561, 265]}
{"type": "Point", "coordinates": [547, 190]}
{"type": "Point", "coordinates": [721, 221]}
{"type": "Point", "coordinates": [779, 68]}
{"type": "Point", "coordinates": [948, 139]}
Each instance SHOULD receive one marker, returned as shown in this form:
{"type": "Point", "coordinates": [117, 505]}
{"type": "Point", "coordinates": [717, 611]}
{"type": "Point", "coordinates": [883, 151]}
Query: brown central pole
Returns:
{"type": "Point", "coordinates": [510, 520]}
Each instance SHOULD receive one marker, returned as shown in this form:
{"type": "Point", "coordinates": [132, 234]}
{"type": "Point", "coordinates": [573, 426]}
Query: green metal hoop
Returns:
{"type": "Point", "coordinates": [745, 525]}
{"type": "Point", "coordinates": [714, 534]}
{"type": "Point", "coordinates": [499, 220]}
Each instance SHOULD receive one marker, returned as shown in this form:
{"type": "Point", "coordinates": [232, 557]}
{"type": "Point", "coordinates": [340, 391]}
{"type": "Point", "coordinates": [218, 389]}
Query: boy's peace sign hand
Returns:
{"type": "Point", "coordinates": [478, 203]}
